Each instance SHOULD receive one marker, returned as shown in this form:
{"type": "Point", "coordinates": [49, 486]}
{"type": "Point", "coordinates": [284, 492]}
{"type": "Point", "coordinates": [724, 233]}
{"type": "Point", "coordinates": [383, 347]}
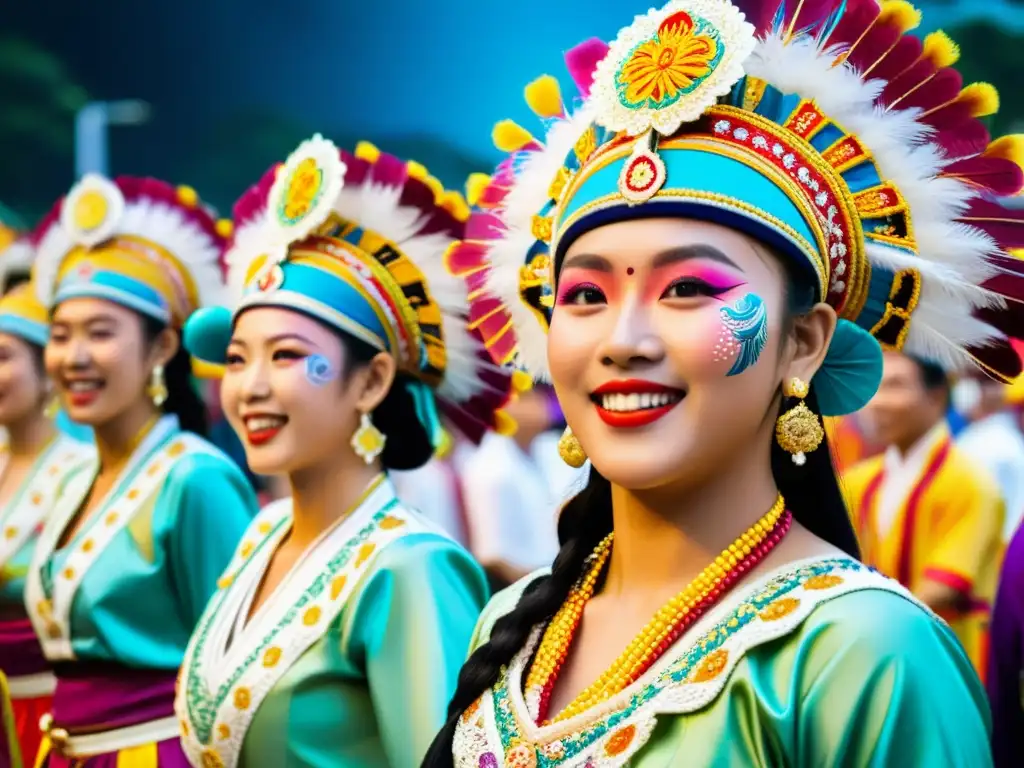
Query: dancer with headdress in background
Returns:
{"type": "Point", "coordinates": [134, 545]}
{"type": "Point", "coordinates": [707, 256]}
{"type": "Point", "coordinates": [35, 458]}
{"type": "Point", "coordinates": [339, 629]}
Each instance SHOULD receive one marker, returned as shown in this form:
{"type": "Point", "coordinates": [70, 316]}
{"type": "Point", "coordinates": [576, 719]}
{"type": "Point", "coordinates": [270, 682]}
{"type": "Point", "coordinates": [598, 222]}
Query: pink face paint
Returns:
{"type": "Point", "coordinates": [706, 278]}
{"type": "Point", "coordinates": [573, 281]}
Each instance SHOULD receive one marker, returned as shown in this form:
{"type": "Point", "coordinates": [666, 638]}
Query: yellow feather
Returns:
{"type": "Point", "coordinates": [225, 227]}
{"type": "Point", "coordinates": [367, 151]}
{"type": "Point", "coordinates": [941, 49]}
{"type": "Point", "coordinates": [475, 186]}
{"type": "Point", "coordinates": [505, 424]}
{"type": "Point", "coordinates": [444, 445]}
{"type": "Point", "coordinates": [521, 381]}
{"type": "Point", "coordinates": [901, 14]}
{"type": "Point", "coordinates": [544, 96]}
{"type": "Point", "coordinates": [435, 186]}
{"type": "Point", "coordinates": [416, 170]}
{"type": "Point", "coordinates": [508, 136]}
{"type": "Point", "coordinates": [984, 95]}
{"type": "Point", "coordinates": [455, 204]}
{"type": "Point", "coordinates": [203, 370]}
{"type": "Point", "coordinates": [1010, 147]}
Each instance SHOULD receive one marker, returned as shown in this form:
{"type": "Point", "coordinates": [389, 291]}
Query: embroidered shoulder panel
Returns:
{"type": "Point", "coordinates": [219, 692]}
{"type": "Point", "coordinates": [499, 728]}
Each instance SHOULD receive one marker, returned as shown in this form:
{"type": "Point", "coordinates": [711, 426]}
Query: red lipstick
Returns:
{"type": "Point", "coordinates": [632, 403]}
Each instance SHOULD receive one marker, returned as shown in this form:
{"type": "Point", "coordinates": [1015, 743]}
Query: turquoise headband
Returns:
{"type": "Point", "coordinates": [116, 287]}
{"type": "Point", "coordinates": [22, 327]}
{"type": "Point", "coordinates": [317, 293]}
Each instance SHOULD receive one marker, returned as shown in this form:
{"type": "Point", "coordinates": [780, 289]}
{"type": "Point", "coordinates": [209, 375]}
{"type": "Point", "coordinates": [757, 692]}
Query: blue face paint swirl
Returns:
{"type": "Point", "coordinates": [747, 323]}
{"type": "Point", "coordinates": [319, 370]}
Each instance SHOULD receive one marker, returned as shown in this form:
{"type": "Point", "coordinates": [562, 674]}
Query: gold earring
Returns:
{"type": "Point", "coordinates": [570, 450]}
{"type": "Point", "coordinates": [798, 431]}
{"type": "Point", "coordinates": [368, 441]}
{"type": "Point", "coordinates": [52, 407]}
{"type": "Point", "coordinates": [157, 389]}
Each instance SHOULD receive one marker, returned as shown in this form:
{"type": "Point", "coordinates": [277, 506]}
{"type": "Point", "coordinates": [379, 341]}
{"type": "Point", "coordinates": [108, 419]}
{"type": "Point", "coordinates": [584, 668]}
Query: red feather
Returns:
{"type": "Point", "coordinates": [859, 16]}
{"type": "Point", "coordinates": [1002, 224]}
{"type": "Point", "coordinates": [950, 116]}
{"type": "Point", "coordinates": [967, 140]}
{"type": "Point", "coordinates": [998, 359]}
{"type": "Point", "coordinates": [994, 174]}
{"type": "Point", "coordinates": [929, 93]}
{"type": "Point", "coordinates": [875, 45]}
{"type": "Point", "coordinates": [898, 60]}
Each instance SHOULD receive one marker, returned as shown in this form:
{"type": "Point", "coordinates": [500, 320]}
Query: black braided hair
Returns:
{"type": "Point", "coordinates": [585, 520]}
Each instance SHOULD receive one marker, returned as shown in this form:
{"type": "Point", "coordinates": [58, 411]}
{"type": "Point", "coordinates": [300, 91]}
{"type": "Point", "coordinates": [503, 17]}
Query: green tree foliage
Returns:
{"type": "Point", "coordinates": [38, 102]}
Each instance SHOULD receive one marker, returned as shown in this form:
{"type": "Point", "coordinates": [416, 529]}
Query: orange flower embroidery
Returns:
{"type": "Point", "coordinates": [668, 65]}
{"type": "Point", "coordinates": [470, 711]}
{"type": "Point", "coordinates": [779, 608]}
{"type": "Point", "coordinates": [620, 741]}
{"type": "Point", "coordinates": [522, 756]}
{"type": "Point", "coordinates": [823, 581]}
{"type": "Point", "coordinates": [711, 667]}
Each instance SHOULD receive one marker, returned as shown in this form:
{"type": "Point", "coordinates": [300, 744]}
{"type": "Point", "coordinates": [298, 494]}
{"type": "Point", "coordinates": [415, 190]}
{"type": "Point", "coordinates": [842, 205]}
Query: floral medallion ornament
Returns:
{"type": "Point", "coordinates": [670, 65]}
{"type": "Point", "coordinates": [91, 211]}
{"type": "Point", "coordinates": [305, 191]}
{"type": "Point", "coordinates": [643, 173]}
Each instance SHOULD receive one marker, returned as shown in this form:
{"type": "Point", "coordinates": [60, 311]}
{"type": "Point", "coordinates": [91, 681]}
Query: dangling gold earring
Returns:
{"type": "Point", "coordinates": [368, 441]}
{"type": "Point", "coordinates": [570, 450]}
{"type": "Point", "coordinates": [157, 389]}
{"type": "Point", "coordinates": [798, 431]}
{"type": "Point", "coordinates": [52, 407]}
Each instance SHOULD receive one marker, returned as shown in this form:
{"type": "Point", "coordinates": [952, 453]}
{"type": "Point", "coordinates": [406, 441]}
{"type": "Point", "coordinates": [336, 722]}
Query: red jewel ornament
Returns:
{"type": "Point", "coordinates": [642, 176]}
{"type": "Point", "coordinates": [271, 279]}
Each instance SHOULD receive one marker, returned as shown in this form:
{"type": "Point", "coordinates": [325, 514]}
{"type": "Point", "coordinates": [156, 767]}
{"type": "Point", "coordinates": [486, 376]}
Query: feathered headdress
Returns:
{"type": "Point", "coordinates": [359, 241]}
{"type": "Point", "coordinates": [15, 255]}
{"type": "Point", "coordinates": [140, 242]}
{"type": "Point", "coordinates": [883, 181]}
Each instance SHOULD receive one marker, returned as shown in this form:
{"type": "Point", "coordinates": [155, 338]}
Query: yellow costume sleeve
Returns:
{"type": "Point", "coordinates": [965, 550]}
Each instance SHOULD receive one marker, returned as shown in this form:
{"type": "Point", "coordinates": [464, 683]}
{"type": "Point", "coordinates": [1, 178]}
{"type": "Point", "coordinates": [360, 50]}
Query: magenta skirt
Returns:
{"type": "Point", "coordinates": [93, 699]}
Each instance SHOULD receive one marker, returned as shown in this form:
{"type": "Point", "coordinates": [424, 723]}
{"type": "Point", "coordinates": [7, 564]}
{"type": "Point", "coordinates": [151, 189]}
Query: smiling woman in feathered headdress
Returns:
{"type": "Point", "coordinates": [136, 538]}
{"type": "Point", "coordinates": [705, 257]}
{"type": "Point", "coordinates": [345, 339]}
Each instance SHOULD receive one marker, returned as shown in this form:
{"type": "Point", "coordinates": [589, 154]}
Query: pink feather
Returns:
{"type": "Point", "coordinates": [966, 140]}
{"type": "Point", "coordinates": [582, 60]}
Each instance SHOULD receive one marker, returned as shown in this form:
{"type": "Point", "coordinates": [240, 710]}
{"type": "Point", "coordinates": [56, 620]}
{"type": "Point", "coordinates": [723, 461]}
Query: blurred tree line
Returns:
{"type": "Point", "coordinates": [39, 99]}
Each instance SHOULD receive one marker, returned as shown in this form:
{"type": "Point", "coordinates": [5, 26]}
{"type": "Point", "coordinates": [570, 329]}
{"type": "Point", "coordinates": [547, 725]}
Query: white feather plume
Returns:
{"type": "Point", "coordinates": [153, 220]}
{"type": "Point", "coordinates": [16, 257]}
{"type": "Point", "coordinates": [375, 207]}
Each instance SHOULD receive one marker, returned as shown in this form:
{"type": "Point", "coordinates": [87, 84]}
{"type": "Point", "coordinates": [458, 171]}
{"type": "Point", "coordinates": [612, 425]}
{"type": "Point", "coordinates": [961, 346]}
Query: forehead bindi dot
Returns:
{"type": "Point", "coordinates": [629, 270]}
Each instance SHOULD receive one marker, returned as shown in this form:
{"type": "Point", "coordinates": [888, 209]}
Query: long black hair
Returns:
{"type": "Point", "coordinates": [182, 399]}
{"type": "Point", "coordinates": [811, 491]}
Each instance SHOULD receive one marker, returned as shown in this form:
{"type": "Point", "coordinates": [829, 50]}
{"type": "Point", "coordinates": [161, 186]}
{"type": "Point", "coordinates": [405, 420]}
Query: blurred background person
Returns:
{"type": "Point", "coordinates": [134, 545]}
{"type": "Point", "coordinates": [35, 458]}
{"type": "Point", "coordinates": [925, 513]}
{"type": "Point", "coordinates": [513, 487]}
{"type": "Point", "coordinates": [992, 437]}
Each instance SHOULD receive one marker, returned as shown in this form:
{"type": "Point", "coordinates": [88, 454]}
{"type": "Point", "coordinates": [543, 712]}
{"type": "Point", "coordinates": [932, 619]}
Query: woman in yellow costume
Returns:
{"type": "Point", "coordinates": [338, 632]}
{"type": "Point", "coordinates": [136, 540]}
{"type": "Point", "coordinates": [706, 257]}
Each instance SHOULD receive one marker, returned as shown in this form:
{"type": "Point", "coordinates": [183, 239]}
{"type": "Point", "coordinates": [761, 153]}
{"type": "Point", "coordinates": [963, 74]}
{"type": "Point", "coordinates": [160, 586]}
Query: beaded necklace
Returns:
{"type": "Point", "coordinates": [668, 624]}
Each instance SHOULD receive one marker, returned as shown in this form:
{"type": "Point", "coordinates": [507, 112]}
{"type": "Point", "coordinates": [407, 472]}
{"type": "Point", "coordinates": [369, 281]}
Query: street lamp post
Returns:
{"type": "Point", "coordinates": [91, 135]}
